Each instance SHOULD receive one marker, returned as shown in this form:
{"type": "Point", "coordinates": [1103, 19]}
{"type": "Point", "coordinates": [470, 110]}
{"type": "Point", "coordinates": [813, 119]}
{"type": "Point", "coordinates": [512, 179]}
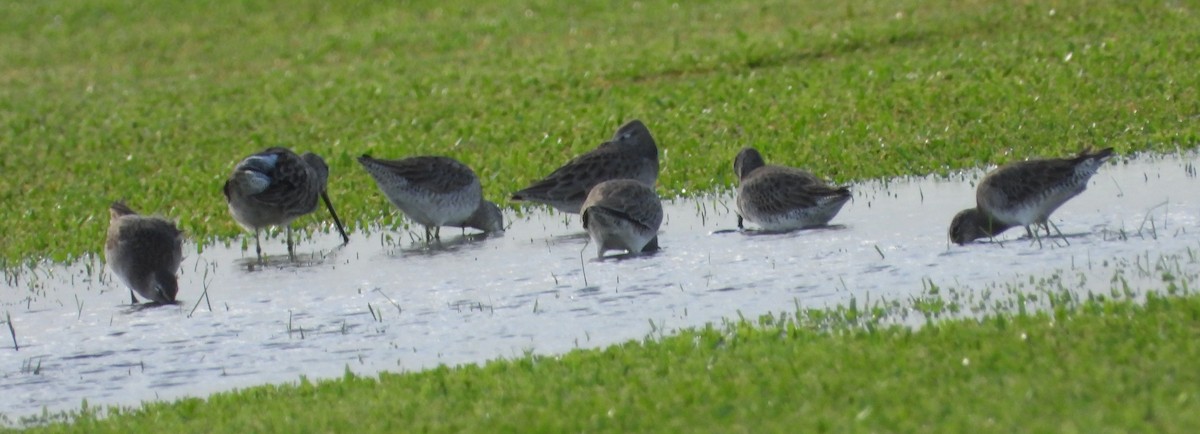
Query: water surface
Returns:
{"type": "Point", "coordinates": [386, 302]}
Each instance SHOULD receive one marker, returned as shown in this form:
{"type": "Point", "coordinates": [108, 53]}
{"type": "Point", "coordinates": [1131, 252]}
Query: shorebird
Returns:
{"type": "Point", "coordinates": [1025, 193]}
{"type": "Point", "coordinates": [144, 253]}
{"type": "Point", "coordinates": [435, 192]}
{"type": "Point", "coordinates": [781, 198]}
{"type": "Point", "coordinates": [622, 214]}
{"type": "Point", "coordinates": [273, 187]}
{"type": "Point", "coordinates": [630, 154]}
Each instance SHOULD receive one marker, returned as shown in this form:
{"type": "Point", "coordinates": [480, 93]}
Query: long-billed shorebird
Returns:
{"type": "Point", "coordinates": [630, 154]}
{"type": "Point", "coordinates": [622, 214]}
{"type": "Point", "coordinates": [273, 187]}
{"type": "Point", "coordinates": [144, 253]}
{"type": "Point", "coordinates": [781, 198]}
{"type": "Point", "coordinates": [1025, 193]}
{"type": "Point", "coordinates": [435, 192]}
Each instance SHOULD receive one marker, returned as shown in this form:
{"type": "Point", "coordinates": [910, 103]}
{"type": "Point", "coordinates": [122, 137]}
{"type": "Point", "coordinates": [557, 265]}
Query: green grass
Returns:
{"type": "Point", "coordinates": [1090, 367]}
{"type": "Point", "coordinates": [154, 101]}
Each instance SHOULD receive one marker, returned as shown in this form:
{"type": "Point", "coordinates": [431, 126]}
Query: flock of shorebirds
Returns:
{"type": "Point", "coordinates": [610, 187]}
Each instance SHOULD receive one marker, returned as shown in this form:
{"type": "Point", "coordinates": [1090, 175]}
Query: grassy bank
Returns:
{"type": "Point", "coordinates": [1095, 366]}
{"type": "Point", "coordinates": [154, 101]}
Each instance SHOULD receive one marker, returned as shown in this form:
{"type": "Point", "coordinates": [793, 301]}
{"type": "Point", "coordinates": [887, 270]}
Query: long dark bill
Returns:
{"type": "Point", "coordinates": [336, 220]}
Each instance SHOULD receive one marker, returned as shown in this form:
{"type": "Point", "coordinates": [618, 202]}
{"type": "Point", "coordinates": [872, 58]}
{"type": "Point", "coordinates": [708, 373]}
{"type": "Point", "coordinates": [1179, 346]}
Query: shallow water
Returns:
{"type": "Point", "coordinates": [384, 302]}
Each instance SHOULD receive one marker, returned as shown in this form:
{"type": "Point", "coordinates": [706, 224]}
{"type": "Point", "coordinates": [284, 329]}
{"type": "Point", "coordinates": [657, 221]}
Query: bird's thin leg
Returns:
{"type": "Point", "coordinates": [428, 235]}
{"type": "Point", "coordinates": [290, 246]}
{"type": "Point", "coordinates": [258, 247]}
{"type": "Point", "coordinates": [1036, 237]}
{"type": "Point", "coordinates": [437, 233]}
{"type": "Point", "coordinates": [740, 227]}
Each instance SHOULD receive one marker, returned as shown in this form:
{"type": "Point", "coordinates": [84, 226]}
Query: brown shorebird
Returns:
{"type": "Point", "coordinates": [623, 214]}
{"type": "Point", "coordinates": [781, 198]}
{"type": "Point", "coordinates": [630, 154]}
{"type": "Point", "coordinates": [1025, 193]}
{"type": "Point", "coordinates": [435, 192]}
{"type": "Point", "coordinates": [273, 187]}
{"type": "Point", "coordinates": [144, 253]}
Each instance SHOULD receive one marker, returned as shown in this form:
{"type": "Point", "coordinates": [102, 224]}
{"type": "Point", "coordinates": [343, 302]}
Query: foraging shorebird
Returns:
{"type": "Point", "coordinates": [435, 192]}
{"type": "Point", "coordinates": [622, 214]}
{"type": "Point", "coordinates": [1025, 193]}
{"type": "Point", "coordinates": [630, 154]}
{"type": "Point", "coordinates": [781, 198]}
{"type": "Point", "coordinates": [144, 253]}
{"type": "Point", "coordinates": [273, 187]}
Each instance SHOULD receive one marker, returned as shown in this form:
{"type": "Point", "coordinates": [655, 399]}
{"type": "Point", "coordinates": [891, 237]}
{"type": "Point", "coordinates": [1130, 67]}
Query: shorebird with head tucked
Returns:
{"type": "Point", "coordinates": [622, 214]}
{"type": "Point", "coordinates": [435, 192]}
{"type": "Point", "coordinates": [630, 154]}
{"type": "Point", "coordinates": [273, 187]}
{"type": "Point", "coordinates": [144, 253]}
{"type": "Point", "coordinates": [781, 198]}
{"type": "Point", "coordinates": [1025, 193]}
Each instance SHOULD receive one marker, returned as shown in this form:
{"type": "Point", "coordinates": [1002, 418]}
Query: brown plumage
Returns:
{"type": "Point", "coordinates": [435, 191]}
{"type": "Point", "coordinates": [144, 253]}
{"type": "Point", "coordinates": [273, 187]}
{"type": "Point", "coordinates": [1025, 193]}
{"type": "Point", "coordinates": [622, 214]}
{"type": "Point", "coordinates": [630, 154]}
{"type": "Point", "coordinates": [781, 198]}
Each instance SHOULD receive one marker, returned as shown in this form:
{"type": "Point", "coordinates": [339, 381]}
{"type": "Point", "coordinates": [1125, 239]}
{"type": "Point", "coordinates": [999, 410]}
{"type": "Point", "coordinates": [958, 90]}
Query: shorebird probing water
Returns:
{"type": "Point", "coordinates": [622, 214]}
{"type": "Point", "coordinates": [144, 253]}
{"type": "Point", "coordinates": [273, 187]}
{"type": "Point", "coordinates": [1025, 193]}
{"type": "Point", "coordinates": [435, 192]}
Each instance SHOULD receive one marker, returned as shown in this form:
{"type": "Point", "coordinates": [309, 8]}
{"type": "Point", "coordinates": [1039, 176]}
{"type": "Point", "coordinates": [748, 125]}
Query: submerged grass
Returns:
{"type": "Point", "coordinates": [154, 101]}
{"type": "Point", "coordinates": [1093, 366]}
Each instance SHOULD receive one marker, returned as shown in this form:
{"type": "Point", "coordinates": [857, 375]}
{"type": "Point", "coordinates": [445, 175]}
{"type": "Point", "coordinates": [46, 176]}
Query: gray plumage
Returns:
{"type": "Point", "coordinates": [273, 187]}
{"type": "Point", "coordinates": [622, 214]}
{"type": "Point", "coordinates": [630, 154]}
{"type": "Point", "coordinates": [435, 191]}
{"type": "Point", "coordinates": [1024, 193]}
{"type": "Point", "coordinates": [781, 198]}
{"type": "Point", "coordinates": [144, 253]}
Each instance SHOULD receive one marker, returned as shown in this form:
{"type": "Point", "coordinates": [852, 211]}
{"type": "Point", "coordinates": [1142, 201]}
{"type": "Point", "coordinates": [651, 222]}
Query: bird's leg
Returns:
{"type": "Point", "coordinates": [258, 247]}
{"type": "Point", "coordinates": [740, 227]}
{"type": "Point", "coordinates": [1036, 237]}
{"type": "Point", "coordinates": [437, 233]}
{"type": "Point", "coordinates": [290, 246]}
{"type": "Point", "coordinates": [428, 235]}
